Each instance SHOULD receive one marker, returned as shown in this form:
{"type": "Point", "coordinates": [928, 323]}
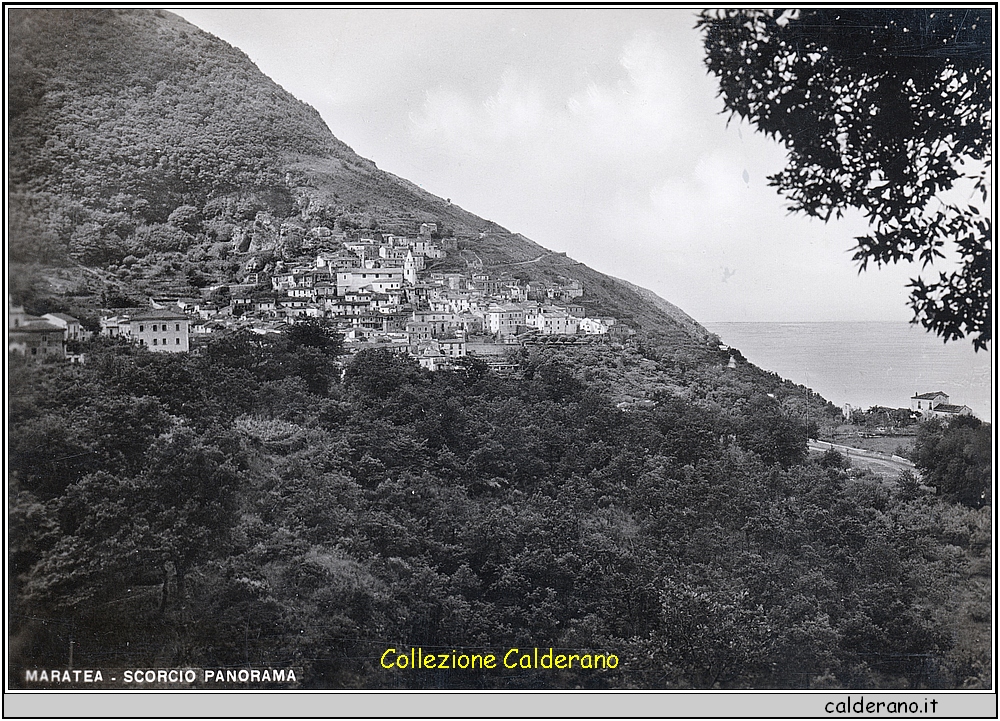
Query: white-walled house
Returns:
{"type": "Point", "coordinates": [596, 326]}
{"type": "Point", "coordinates": [381, 280]}
{"type": "Point", "coordinates": [503, 320]}
{"type": "Point", "coordinates": [34, 337]}
{"type": "Point", "coordinates": [68, 323]}
{"type": "Point", "coordinates": [432, 359]}
{"type": "Point", "coordinates": [924, 402]}
{"type": "Point", "coordinates": [936, 405]}
{"type": "Point", "coordinates": [163, 331]}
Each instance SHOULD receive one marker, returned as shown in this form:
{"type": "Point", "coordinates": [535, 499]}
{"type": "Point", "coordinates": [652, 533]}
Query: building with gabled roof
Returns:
{"type": "Point", "coordinates": [503, 320]}
{"type": "Point", "coordinates": [948, 410]}
{"type": "Point", "coordinates": [431, 358]}
{"type": "Point", "coordinates": [936, 405]}
{"type": "Point", "coordinates": [68, 323]}
{"type": "Point", "coordinates": [924, 402]}
{"type": "Point", "coordinates": [33, 336]}
{"type": "Point", "coordinates": [37, 338]}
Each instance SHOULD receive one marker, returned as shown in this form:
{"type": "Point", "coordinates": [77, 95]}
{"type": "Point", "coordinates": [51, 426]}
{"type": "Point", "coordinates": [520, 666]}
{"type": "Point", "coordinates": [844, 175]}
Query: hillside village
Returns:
{"type": "Point", "coordinates": [377, 290]}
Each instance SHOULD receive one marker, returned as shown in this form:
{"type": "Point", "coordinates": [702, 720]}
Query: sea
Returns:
{"type": "Point", "coordinates": [867, 363]}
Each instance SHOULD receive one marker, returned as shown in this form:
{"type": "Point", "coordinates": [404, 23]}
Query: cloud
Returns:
{"type": "Point", "coordinates": [629, 174]}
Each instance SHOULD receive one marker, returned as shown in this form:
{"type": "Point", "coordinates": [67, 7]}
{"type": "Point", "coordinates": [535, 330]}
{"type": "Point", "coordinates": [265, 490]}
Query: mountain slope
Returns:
{"type": "Point", "coordinates": [125, 122]}
{"type": "Point", "coordinates": [142, 102]}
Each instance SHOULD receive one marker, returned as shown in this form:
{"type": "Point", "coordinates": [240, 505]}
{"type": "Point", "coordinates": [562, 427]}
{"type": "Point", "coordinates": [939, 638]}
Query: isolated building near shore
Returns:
{"type": "Point", "coordinates": [936, 405]}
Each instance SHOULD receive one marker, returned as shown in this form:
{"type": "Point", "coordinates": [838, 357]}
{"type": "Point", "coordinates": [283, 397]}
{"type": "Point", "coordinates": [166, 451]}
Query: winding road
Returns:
{"type": "Point", "coordinates": [870, 459]}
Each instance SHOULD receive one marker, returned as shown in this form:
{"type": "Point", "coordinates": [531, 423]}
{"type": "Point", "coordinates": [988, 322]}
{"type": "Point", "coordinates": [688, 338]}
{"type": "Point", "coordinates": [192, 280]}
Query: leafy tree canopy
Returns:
{"type": "Point", "coordinates": [240, 506]}
{"type": "Point", "coordinates": [315, 333]}
{"type": "Point", "coordinates": [884, 111]}
{"type": "Point", "coordinates": [956, 459]}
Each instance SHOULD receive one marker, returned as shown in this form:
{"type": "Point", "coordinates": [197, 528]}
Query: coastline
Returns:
{"type": "Point", "coordinates": [865, 363]}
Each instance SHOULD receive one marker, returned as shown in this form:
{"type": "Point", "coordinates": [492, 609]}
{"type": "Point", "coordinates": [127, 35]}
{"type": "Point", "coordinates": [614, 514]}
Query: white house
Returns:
{"type": "Point", "coordinates": [69, 324]}
{"type": "Point", "coordinates": [596, 326]}
{"type": "Point", "coordinates": [32, 336]}
{"type": "Point", "coordinates": [432, 359]}
{"type": "Point", "coordinates": [503, 320]}
{"type": "Point", "coordinates": [923, 403]}
{"type": "Point", "coordinates": [164, 331]}
{"type": "Point", "coordinates": [381, 280]}
{"type": "Point", "coordinates": [552, 321]}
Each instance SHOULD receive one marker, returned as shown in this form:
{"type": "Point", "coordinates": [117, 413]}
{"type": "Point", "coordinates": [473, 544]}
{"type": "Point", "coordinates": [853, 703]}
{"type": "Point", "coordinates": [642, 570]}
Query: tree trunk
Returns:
{"type": "Point", "coordinates": [164, 590]}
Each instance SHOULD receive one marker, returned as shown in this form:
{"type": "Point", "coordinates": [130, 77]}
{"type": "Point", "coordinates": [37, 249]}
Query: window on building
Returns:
{"type": "Point", "coordinates": [177, 341]}
{"type": "Point", "coordinates": [154, 341]}
{"type": "Point", "coordinates": [140, 329]}
{"type": "Point", "coordinates": [177, 326]}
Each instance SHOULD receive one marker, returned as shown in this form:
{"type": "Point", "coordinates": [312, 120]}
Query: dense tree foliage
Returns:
{"type": "Point", "coordinates": [139, 114]}
{"type": "Point", "coordinates": [956, 457]}
{"type": "Point", "coordinates": [884, 111]}
{"type": "Point", "coordinates": [135, 112]}
{"type": "Point", "coordinates": [243, 506]}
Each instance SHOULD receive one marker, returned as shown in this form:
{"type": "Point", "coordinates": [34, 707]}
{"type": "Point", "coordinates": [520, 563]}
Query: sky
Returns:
{"type": "Point", "coordinates": [595, 132]}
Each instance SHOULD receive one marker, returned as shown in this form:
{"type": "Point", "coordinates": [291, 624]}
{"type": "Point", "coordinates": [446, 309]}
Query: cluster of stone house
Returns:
{"type": "Point", "coordinates": [379, 293]}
